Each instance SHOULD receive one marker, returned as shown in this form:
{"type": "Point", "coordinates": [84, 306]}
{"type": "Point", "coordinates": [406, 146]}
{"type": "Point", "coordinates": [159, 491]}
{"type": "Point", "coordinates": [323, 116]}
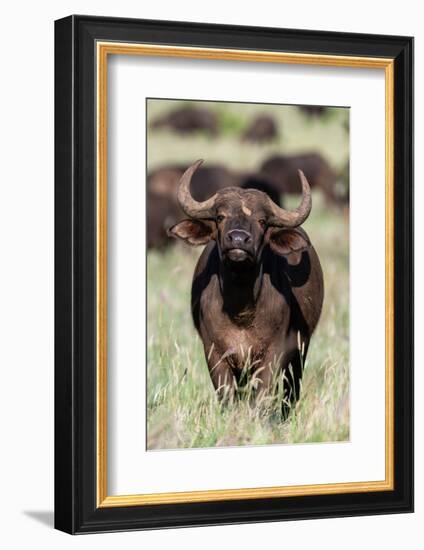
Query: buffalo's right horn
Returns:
{"type": "Point", "coordinates": [292, 218]}
{"type": "Point", "coordinates": [191, 207]}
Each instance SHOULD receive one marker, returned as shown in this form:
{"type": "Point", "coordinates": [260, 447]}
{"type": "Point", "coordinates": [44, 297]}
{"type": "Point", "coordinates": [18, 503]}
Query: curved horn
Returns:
{"type": "Point", "coordinates": [292, 218]}
{"type": "Point", "coordinates": [191, 207]}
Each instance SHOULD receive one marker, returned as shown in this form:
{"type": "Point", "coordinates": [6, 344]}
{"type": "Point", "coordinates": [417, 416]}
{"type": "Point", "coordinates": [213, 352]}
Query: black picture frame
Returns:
{"type": "Point", "coordinates": [76, 509]}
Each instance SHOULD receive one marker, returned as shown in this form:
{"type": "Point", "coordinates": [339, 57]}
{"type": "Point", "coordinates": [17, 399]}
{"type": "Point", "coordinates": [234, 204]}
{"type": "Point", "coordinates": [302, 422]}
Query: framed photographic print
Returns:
{"type": "Point", "coordinates": [234, 274]}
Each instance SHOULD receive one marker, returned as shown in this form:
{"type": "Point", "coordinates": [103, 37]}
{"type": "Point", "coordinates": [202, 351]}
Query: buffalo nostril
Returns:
{"type": "Point", "coordinates": [238, 237]}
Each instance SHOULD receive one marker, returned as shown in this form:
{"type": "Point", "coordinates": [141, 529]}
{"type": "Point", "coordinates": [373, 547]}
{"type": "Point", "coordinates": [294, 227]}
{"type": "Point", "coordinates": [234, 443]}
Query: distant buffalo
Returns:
{"type": "Point", "coordinates": [206, 181]}
{"type": "Point", "coordinates": [263, 129]}
{"type": "Point", "coordinates": [161, 213]}
{"type": "Point", "coordinates": [257, 288]}
{"type": "Point", "coordinates": [313, 110]}
{"type": "Point", "coordinates": [282, 171]}
{"type": "Point", "coordinates": [261, 183]}
{"type": "Point", "coordinates": [162, 208]}
{"type": "Point", "coordinates": [162, 204]}
{"type": "Point", "coordinates": [187, 120]}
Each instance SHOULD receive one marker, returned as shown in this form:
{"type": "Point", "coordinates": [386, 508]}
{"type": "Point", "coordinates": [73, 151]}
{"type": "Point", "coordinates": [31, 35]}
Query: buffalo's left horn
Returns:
{"type": "Point", "coordinates": [191, 207]}
{"type": "Point", "coordinates": [292, 218]}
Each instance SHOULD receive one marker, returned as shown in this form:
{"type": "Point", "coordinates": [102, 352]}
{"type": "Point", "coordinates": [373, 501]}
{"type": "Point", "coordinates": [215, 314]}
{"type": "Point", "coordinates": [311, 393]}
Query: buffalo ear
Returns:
{"type": "Point", "coordinates": [289, 242]}
{"type": "Point", "coordinates": [194, 232]}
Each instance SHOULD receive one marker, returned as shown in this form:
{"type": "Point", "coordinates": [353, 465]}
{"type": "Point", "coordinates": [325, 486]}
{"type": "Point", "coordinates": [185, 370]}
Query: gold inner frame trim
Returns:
{"type": "Point", "coordinates": [103, 50]}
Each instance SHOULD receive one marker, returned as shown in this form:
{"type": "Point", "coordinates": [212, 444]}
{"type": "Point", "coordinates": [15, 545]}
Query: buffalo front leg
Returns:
{"type": "Point", "coordinates": [280, 372]}
{"type": "Point", "coordinates": [222, 377]}
{"type": "Point", "coordinates": [265, 375]}
{"type": "Point", "coordinates": [293, 372]}
{"type": "Point", "coordinates": [263, 379]}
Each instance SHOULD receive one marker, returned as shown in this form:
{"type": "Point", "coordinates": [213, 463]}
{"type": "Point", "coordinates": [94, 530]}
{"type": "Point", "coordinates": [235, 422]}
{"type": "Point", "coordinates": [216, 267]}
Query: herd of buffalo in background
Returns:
{"type": "Point", "coordinates": [277, 175]}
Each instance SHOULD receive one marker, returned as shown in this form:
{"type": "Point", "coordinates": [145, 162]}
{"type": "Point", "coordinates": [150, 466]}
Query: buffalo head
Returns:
{"type": "Point", "coordinates": [241, 222]}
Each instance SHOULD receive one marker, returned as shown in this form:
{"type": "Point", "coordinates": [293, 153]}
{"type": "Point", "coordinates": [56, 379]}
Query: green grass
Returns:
{"type": "Point", "coordinates": [182, 407]}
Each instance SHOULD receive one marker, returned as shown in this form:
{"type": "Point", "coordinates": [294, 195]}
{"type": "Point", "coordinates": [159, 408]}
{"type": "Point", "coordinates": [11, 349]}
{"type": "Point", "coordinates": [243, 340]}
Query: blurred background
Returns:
{"type": "Point", "coordinates": [259, 146]}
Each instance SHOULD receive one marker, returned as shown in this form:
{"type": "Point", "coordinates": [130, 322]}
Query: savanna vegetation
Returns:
{"type": "Point", "coordinates": [182, 407]}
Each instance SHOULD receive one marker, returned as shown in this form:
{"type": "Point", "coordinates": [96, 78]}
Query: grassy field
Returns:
{"type": "Point", "coordinates": [182, 407]}
{"type": "Point", "coordinates": [297, 133]}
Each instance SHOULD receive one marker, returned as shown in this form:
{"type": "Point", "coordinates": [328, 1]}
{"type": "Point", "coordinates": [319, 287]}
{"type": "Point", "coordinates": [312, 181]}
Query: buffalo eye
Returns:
{"type": "Point", "coordinates": [262, 223]}
{"type": "Point", "coordinates": [220, 218]}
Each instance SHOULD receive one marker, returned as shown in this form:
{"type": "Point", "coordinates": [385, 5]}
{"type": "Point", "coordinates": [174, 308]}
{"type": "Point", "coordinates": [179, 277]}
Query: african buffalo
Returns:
{"type": "Point", "coordinates": [261, 130]}
{"type": "Point", "coordinates": [257, 287]}
{"type": "Point", "coordinates": [186, 120]}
